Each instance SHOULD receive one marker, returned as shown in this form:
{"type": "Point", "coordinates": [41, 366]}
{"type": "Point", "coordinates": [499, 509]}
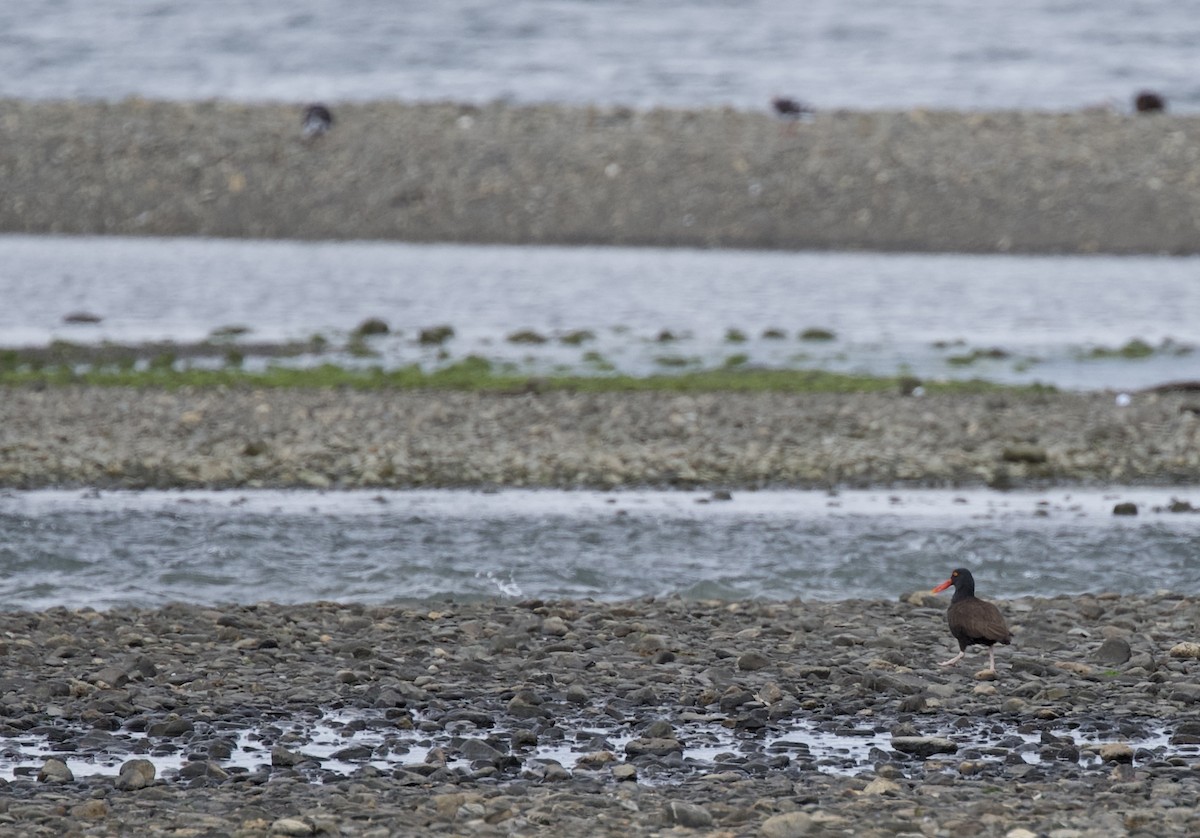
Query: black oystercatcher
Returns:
{"type": "Point", "coordinates": [972, 621]}
{"type": "Point", "coordinates": [317, 120]}
{"type": "Point", "coordinates": [1149, 102]}
{"type": "Point", "coordinates": [790, 108]}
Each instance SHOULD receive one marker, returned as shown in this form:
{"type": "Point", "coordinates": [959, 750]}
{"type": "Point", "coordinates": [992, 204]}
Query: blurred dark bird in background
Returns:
{"type": "Point", "coordinates": [317, 120]}
{"type": "Point", "coordinates": [790, 108]}
{"type": "Point", "coordinates": [1149, 102]}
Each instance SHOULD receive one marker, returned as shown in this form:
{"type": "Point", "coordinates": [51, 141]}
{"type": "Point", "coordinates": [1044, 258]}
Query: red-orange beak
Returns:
{"type": "Point", "coordinates": [944, 585]}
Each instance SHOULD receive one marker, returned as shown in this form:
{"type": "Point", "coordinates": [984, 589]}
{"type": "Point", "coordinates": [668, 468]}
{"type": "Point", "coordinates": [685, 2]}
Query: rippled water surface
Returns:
{"type": "Point", "coordinates": [1018, 319]}
{"type": "Point", "coordinates": [835, 53]}
{"type": "Point", "coordinates": [148, 548]}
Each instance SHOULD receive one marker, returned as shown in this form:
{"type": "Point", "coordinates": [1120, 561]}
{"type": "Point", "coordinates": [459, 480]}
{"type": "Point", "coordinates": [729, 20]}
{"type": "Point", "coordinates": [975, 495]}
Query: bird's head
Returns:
{"type": "Point", "coordinates": [960, 578]}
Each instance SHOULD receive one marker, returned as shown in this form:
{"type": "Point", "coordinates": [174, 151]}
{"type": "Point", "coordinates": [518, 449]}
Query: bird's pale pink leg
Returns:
{"type": "Point", "coordinates": [953, 660]}
{"type": "Point", "coordinates": [992, 658]}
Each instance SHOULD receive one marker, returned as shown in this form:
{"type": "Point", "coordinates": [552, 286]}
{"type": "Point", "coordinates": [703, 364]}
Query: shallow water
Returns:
{"type": "Point", "coordinates": [834, 53]}
{"type": "Point", "coordinates": [890, 313]}
{"type": "Point", "coordinates": [830, 747]}
{"type": "Point", "coordinates": [145, 549]}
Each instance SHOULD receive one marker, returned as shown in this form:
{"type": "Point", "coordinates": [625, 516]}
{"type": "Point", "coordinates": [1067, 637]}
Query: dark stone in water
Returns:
{"type": "Point", "coordinates": [77, 317]}
{"type": "Point", "coordinates": [171, 728]}
{"type": "Point", "coordinates": [435, 335]}
{"type": "Point", "coordinates": [478, 750]}
{"type": "Point", "coordinates": [135, 774]}
{"type": "Point", "coordinates": [1126, 508]}
{"type": "Point", "coordinates": [923, 746]}
{"type": "Point", "coordinates": [659, 729]}
{"type": "Point", "coordinates": [354, 753]}
{"type": "Point", "coordinates": [735, 697]}
{"type": "Point", "coordinates": [656, 747]}
{"type": "Point", "coordinates": [281, 757]}
{"type": "Point", "coordinates": [372, 326]}
{"type": "Point", "coordinates": [475, 717]}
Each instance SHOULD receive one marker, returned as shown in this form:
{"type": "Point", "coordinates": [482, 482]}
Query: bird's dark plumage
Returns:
{"type": "Point", "coordinates": [972, 621]}
{"type": "Point", "coordinates": [790, 108]}
{"type": "Point", "coordinates": [317, 120]}
{"type": "Point", "coordinates": [1149, 102]}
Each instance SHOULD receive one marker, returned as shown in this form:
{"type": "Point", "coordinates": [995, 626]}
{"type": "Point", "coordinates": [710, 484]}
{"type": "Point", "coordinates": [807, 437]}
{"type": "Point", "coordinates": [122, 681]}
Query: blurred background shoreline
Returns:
{"type": "Point", "coordinates": [889, 181]}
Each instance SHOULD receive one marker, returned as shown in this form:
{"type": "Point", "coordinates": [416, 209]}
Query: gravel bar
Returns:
{"type": "Point", "coordinates": [225, 438]}
{"type": "Point", "coordinates": [1088, 728]}
{"type": "Point", "coordinates": [915, 180]}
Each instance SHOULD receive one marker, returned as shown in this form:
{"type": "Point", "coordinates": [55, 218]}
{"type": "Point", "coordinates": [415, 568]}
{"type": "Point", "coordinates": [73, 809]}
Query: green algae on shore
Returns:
{"type": "Point", "coordinates": [471, 373]}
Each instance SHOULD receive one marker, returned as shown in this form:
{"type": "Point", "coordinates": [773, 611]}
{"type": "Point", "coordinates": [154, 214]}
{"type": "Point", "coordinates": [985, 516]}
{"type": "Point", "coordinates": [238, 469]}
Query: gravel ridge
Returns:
{"type": "Point", "coordinates": [1080, 182]}
{"type": "Point", "coordinates": [129, 438]}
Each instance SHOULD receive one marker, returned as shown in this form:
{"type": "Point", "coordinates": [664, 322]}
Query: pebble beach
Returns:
{"type": "Point", "coordinates": [582, 717]}
{"type": "Point", "coordinates": [1088, 728]}
{"type": "Point", "coordinates": [647, 717]}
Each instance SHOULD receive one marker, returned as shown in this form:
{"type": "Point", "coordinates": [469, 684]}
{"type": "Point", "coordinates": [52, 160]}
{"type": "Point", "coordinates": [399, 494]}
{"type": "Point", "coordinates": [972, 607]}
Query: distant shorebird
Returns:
{"type": "Point", "coordinates": [1149, 102]}
{"type": "Point", "coordinates": [790, 108]}
{"type": "Point", "coordinates": [317, 120]}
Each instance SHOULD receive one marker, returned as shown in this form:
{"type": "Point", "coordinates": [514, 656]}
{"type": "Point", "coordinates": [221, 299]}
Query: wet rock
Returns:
{"type": "Point", "coordinates": [555, 626]}
{"type": "Point", "coordinates": [109, 677]}
{"type": "Point", "coordinates": [753, 661]}
{"type": "Point", "coordinates": [92, 810]}
{"type": "Point", "coordinates": [1125, 508]}
{"type": "Point", "coordinates": [478, 750]}
{"type": "Point", "coordinates": [788, 825]}
{"type": "Point", "coordinates": [135, 774]}
{"type": "Point", "coordinates": [689, 815]}
{"type": "Point", "coordinates": [1114, 651]}
{"type": "Point", "coordinates": [1021, 832]}
{"type": "Point", "coordinates": [924, 746]}
{"type": "Point", "coordinates": [624, 773]}
{"type": "Point", "coordinates": [464, 714]}
{"type": "Point", "coordinates": [596, 759]}
{"type": "Point", "coordinates": [354, 753]}
{"type": "Point", "coordinates": [881, 785]}
{"type": "Point", "coordinates": [656, 747]}
{"type": "Point", "coordinates": [521, 707]}
{"type": "Point", "coordinates": [1024, 453]}
{"type": "Point", "coordinates": [735, 697]}
{"type": "Point", "coordinates": [643, 695]}
{"type": "Point", "coordinates": [81, 317]}
{"type": "Point", "coordinates": [203, 769]}
{"type": "Point", "coordinates": [281, 757]}
{"type": "Point", "coordinates": [1184, 693]}
{"type": "Point", "coordinates": [1116, 752]}
{"type": "Point", "coordinates": [659, 729]}
{"type": "Point", "coordinates": [292, 826]}
{"type": "Point", "coordinates": [435, 335]}
{"type": "Point", "coordinates": [1185, 649]}
{"type": "Point", "coordinates": [372, 326]}
{"type": "Point", "coordinates": [171, 728]}
{"type": "Point", "coordinates": [55, 771]}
